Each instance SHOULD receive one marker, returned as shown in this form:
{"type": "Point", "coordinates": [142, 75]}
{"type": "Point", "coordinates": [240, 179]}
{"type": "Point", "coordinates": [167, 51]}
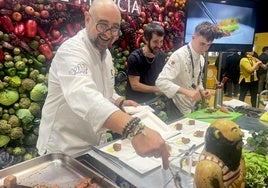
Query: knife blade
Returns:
{"type": "Point", "coordinates": [212, 116]}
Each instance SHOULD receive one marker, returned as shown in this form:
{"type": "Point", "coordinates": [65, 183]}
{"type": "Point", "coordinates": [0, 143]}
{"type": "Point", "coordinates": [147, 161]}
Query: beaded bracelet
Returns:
{"type": "Point", "coordinates": [129, 127]}
{"type": "Point", "coordinates": [137, 130]}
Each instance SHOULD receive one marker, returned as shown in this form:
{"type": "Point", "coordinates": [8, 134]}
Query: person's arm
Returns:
{"type": "Point", "coordinates": [121, 102]}
{"type": "Point", "coordinates": [146, 144]}
{"type": "Point", "coordinates": [165, 80]}
{"type": "Point", "coordinates": [244, 62]}
{"type": "Point", "coordinates": [86, 101]}
{"type": "Point", "coordinates": [133, 71]}
{"type": "Point", "coordinates": [136, 85]}
{"type": "Point", "coordinates": [193, 94]}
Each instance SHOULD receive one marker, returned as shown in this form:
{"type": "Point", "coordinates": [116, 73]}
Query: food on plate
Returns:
{"type": "Point", "coordinates": [210, 110]}
{"type": "Point", "coordinates": [194, 161]}
{"type": "Point", "coordinates": [185, 140]}
{"type": "Point", "coordinates": [191, 122]}
{"type": "Point", "coordinates": [178, 126]}
{"type": "Point", "coordinates": [229, 25]}
{"type": "Point", "coordinates": [199, 133]}
{"type": "Point", "coordinates": [117, 146]}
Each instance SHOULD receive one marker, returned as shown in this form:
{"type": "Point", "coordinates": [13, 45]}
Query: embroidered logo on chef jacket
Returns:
{"type": "Point", "coordinates": [80, 69]}
{"type": "Point", "coordinates": [172, 62]}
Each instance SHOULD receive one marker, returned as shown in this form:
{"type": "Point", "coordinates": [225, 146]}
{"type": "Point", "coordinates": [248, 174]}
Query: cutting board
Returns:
{"type": "Point", "coordinates": [233, 115]}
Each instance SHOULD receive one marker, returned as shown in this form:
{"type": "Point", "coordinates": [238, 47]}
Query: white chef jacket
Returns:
{"type": "Point", "coordinates": [177, 73]}
{"type": "Point", "coordinates": [80, 98]}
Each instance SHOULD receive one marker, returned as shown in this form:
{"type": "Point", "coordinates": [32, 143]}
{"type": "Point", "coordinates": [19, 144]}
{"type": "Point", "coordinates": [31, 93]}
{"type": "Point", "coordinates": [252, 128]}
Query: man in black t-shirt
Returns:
{"type": "Point", "coordinates": [144, 65]}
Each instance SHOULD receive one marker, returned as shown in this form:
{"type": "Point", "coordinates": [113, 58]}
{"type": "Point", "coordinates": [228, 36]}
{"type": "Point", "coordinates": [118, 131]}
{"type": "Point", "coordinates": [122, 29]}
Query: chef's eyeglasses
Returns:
{"type": "Point", "coordinates": [103, 28]}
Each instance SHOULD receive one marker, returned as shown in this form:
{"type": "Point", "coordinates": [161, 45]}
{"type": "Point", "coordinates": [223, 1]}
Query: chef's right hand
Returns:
{"type": "Point", "coordinates": [150, 143]}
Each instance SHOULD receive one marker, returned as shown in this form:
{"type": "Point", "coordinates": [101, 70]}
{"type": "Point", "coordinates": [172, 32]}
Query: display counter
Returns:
{"type": "Point", "coordinates": [117, 172]}
{"type": "Point", "coordinates": [124, 176]}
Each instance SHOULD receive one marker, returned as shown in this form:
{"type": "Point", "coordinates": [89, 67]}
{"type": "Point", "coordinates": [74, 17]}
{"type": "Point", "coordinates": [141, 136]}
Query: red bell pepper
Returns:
{"type": "Point", "coordinates": [41, 32]}
{"type": "Point", "coordinates": [2, 55]}
{"type": "Point", "coordinates": [45, 50]}
{"type": "Point", "coordinates": [47, 41]}
{"type": "Point", "coordinates": [168, 3]}
{"type": "Point", "coordinates": [31, 28]}
{"type": "Point", "coordinates": [160, 18]}
{"type": "Point", "coordinates": [57, 23]}
{"type": "Point", "coordinates": [58, 40]}
{"type": "Point", "coordinates": [19, 29]}
{"type": "Point", "coordinates": [138, 41]}
{"type": "Point", "coordinates": [132, 23]}
{"type": "Point", "coordinates": [6, 23]}
{"type": "Point", "coordinates": [156, 7]}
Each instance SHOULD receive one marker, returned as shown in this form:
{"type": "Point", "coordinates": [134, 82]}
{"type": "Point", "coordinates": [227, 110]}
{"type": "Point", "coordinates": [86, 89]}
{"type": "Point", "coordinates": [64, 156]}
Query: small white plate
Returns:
{"type": "Point", "coordinates": [128, 156]}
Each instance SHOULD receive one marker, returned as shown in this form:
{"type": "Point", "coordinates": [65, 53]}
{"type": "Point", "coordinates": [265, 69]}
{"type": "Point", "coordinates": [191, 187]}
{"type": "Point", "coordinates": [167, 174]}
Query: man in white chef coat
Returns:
{"type": "Point", "coordinates": [81, 103]}
{"type": "Point", "coordinates": [181, 77]}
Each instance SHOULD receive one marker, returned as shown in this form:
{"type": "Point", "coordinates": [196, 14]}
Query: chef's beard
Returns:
{"type": "Point", "coordinates": [154, 51]}
{"type": "Point", "coordinates": [100, 43]}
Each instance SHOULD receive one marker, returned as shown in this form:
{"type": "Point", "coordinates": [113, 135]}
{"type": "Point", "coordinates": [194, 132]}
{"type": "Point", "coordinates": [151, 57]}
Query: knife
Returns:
{"type": "Point", "coordinates": [212, 116]}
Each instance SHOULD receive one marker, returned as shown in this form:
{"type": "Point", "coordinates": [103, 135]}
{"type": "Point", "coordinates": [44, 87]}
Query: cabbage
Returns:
{"type": "Point", "coordinates": [39, 92]}
{"type": "Point", "coordinates": [8, 96]}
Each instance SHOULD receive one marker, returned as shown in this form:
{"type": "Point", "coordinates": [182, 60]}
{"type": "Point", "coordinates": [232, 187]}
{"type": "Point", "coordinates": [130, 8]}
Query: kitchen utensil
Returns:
{"type": "Point", "coordinates": [212, 116]}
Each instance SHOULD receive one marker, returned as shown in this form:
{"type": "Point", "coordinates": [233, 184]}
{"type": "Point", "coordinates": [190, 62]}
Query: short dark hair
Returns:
{"type": "Point", "coordinates": [265, 48]}
{"type": "Point", "coordinates": [153, 28]}
{"type": "Point", "coordinates": [206, 30]}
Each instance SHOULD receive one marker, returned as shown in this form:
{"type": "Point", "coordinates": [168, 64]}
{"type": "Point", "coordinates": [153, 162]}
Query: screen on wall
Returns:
{"type": "Point", "coordinates": [236, 18]}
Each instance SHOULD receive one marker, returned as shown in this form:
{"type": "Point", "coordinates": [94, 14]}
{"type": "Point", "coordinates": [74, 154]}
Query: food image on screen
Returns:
{"type": "Point", "coordinates": [236, 21]}
{"type": "Point", "coordinates": [229, 25]}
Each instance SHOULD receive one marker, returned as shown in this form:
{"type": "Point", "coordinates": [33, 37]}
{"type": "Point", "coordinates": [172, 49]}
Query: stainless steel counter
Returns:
{"type": "Point", "coordinates": [125, 177]}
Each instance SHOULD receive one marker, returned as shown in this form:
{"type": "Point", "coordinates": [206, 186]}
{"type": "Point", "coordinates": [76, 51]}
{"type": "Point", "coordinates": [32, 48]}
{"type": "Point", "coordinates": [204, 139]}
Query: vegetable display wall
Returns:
{"type": "Point", "coordinates": [30, 33]}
